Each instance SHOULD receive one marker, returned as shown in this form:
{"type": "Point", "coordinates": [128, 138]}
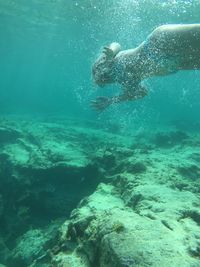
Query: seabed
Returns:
{"type": "Point", "coordinates": [75, 194]}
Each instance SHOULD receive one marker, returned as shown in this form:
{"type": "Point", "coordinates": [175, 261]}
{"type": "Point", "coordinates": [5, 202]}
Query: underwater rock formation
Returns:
{"type": "Point", "coordinates": [8, 135]}
{"type": "Point", "coordinates": [170, 139]}
{"type": "Point", "coordinates": [84, 197]}
{"type": "Point", "coordinates": [115, 235]}
{"type": "Point", "coordinates": [41, 177]}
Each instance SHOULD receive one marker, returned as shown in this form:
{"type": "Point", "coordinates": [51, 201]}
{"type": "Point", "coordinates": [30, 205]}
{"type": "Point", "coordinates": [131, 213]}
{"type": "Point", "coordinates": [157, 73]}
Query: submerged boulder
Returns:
{"type": "Point", "coordinates": [113, 235]}
{"type": "Point", "coordinates": [33, 246]}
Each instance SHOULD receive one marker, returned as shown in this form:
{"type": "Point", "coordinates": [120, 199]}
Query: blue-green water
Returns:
{"type": "Point", "coordinates": [47, 49]}
{"type": "Point", "coordinates": [129, 176]}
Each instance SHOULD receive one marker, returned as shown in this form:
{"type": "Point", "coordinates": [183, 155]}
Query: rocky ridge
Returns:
{"type": "Point", "coordinates": [127, 200]}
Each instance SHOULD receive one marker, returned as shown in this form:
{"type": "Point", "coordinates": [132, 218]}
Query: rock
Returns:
{"type": "Point", "coordinates": [112, 235]}
{"type": "Point", "coordinates": [105, 159]}
{"type": "Point", "coordinates": [74, 260]}
{"type": "Point", "coordinates": [42, 172]}
{"type": "Point", "coordinates": [8, 135]}
{"type": "Point", "coordinates": [136, 167]}
{"type": "Point", "coordinates": [135, 245]}
{"type": "Point", "coordinates": [4, 252]}
{"type": "Point", "coordinates": [33, 246]}
{"type": "Point", "coordinates": [191, 171]}
{"type": "Point", "coordinates": [146, 216]}
{"type": "Point", "coordinates": [170, 139]}
{"type": "Point", "coordinates": [1, 206]}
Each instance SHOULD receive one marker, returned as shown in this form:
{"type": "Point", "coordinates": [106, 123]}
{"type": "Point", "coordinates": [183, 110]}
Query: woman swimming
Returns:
{"type": "Point", "coordinates": [168, 49]}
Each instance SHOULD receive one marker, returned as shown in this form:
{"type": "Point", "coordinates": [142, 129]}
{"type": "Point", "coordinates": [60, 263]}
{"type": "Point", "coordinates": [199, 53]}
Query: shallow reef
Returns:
{"type": "Point", "coordinates": [73, 194]}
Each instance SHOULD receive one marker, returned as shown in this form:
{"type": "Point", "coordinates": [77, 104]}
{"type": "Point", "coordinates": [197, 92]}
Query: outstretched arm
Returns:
{"type": "Point", "coordinates": [103, 102]}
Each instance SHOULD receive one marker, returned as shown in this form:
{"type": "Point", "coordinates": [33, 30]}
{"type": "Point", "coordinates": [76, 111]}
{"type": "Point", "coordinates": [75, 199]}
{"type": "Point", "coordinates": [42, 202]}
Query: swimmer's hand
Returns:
{"type": "Point", "coordinates": [101, 103]}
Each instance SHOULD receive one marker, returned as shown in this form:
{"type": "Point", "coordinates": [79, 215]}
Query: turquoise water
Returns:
{"type": "Point", "coordinates": [79, 188]}
{"type": "Point", "coordinates": [47, 49]}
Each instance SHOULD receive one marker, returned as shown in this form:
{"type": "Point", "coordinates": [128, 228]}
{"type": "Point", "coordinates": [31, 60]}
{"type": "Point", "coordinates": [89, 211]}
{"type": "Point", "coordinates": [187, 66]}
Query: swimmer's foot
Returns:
{"type": "Point", "coordinates": [101, 103]}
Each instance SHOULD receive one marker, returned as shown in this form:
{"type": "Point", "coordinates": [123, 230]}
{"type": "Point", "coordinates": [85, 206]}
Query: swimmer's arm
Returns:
{"type": "Point", "coordinates": [103, 102]}
{"type": "Point", "coordinates": [134, 92]}
{"type": "Point", "coordinates": [130, 95]}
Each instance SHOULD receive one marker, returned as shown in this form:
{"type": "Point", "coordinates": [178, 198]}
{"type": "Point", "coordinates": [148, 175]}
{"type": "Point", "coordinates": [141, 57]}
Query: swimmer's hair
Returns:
{"type": "Point", "coordinates": [112, 50]}
{"type": "Point", "coordinates": [102, 68]}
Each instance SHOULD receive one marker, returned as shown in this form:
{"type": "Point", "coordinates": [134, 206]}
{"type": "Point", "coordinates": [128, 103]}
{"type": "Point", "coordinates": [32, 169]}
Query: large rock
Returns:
{"type": "Point", "coordinates": [45, 170]}
{"type": "Point", "coordinates": [33, 246]}
{"type": "Point", "coordinates": [112, 235]}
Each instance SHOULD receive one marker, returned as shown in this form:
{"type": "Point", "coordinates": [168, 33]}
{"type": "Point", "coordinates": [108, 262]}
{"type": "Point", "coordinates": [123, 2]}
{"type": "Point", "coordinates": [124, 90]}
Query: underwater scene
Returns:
{"type": "Point", "coordinates": [99, 133]}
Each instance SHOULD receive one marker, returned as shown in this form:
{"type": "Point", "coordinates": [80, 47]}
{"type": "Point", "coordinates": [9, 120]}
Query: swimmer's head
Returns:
{"type": "Point", "coordinates": [102, 69]}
